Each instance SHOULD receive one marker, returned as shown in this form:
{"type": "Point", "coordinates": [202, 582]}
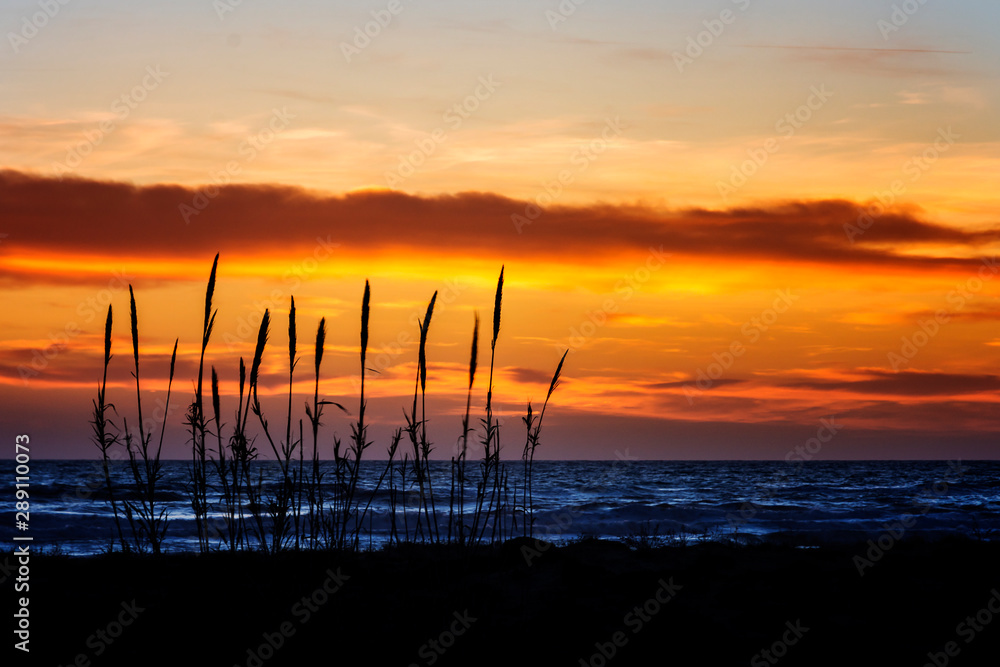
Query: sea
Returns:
{"type": "Point", "coordinates": [643, 503]}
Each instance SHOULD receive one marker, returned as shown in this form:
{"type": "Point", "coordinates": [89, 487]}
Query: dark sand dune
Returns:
{"type": "Point", "coordinates": [706, 604]}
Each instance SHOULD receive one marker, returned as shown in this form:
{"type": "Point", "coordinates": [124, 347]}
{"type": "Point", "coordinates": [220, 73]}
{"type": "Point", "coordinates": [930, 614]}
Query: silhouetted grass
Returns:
{"type": "Point", "coordinates": [148, 525]}
{"type": "Point", "coordinates": [531, 443]}
{"type": "Point", "coordinates": [198, 426]}
{"type": "Point", "coordinates": [104, 438]}
{"type": "Point", "coordinates": [296, 512]}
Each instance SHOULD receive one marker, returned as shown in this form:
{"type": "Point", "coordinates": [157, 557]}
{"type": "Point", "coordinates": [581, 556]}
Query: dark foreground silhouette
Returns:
{"type": "Point", "coordinates": [590, 603]}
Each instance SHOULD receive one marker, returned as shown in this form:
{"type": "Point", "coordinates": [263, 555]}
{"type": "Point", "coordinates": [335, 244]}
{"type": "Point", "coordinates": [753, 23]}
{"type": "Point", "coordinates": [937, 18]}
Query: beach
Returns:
{"type": "Point", "coordinates": [525, 603]}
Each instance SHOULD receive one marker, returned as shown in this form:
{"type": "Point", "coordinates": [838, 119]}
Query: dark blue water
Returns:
{"type": "Point", "coordinates": [806, 504]}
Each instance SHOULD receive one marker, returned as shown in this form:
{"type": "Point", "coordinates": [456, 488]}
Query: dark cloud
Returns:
{"type": "Point", "coordinates": [970, 315]}
{"type": "Point", "coordinates": [911, 383]}
{"type": "Point", "coordinates": [117, 220]}
{"type": "Point", "coordinates": [691, 384]}
{"type": "Point", "coordinates": [529, 375]}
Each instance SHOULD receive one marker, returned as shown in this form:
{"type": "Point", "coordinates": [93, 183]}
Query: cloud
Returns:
{"type": "Point", "coordinates": [49, 217]}
{"type": "Point", "coordinates": [850, 49]}
{"type": "Point", "coordinates": [985, 314]}
{"type": "Point", "coordinates": [721, 382]}
{"type": "Point", "coordinates": [529, 375]}
{"type": "Point", "coordinates": [898, 62]}
{"type": "Point", "coordinates": [910, 383]}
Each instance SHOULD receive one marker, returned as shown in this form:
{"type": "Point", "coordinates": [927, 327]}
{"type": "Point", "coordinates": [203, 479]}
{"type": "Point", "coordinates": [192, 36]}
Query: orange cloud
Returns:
{"type": "Point", "coordinates": [80, 225]}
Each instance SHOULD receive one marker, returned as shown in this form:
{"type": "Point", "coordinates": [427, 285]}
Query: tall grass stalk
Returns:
{"type": "Point", "coordinates": [240, 455]}
{"type": "Point", "coordinates": [463, 453]}
{"type": "Point", "coordinates": [425, 445]}
{"type": "Point", "coordinates": [198, 425]}
{"type": "Point", "coordinates": [417, 430]}
{"type": "Point", "coordinates": [532, 440]}
{"type": "Point", "coordinates": [227, 472]}
{"type": "Point", "coordinates": [289, 447]}
{"type": "Point", "coordinates": [491, 437]}
{"type": "Point", "coordinates": [104, 438]}
{"type": "Point", "coordinates": [315, 497]}
{"type": "Point", "coordinates": [281, 507]}
{"type": "Point", "coordinates": [148, 524]}
{"type": "Point", "coordinates": [359, 437]}
{"type": "Point", "coordinates": [248, 451]}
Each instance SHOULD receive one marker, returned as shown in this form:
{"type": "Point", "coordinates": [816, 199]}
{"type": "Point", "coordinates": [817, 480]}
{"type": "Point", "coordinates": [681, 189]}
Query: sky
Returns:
{"type": "Point", "coordinates": [762, 229]}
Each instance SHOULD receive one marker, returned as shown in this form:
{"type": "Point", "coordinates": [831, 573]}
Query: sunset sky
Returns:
{"type": "Point", "coordinates": [742, 217]}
